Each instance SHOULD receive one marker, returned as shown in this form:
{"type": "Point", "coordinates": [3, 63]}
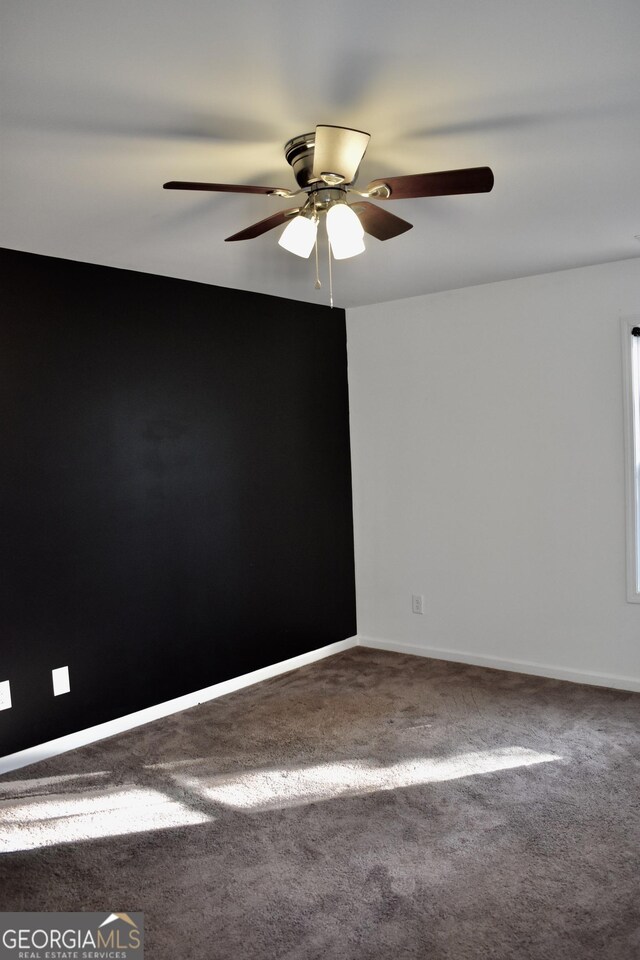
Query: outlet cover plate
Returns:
{"type": "Point", "coordinates": [60, 679]}
{"type": "Point", "coordinates": [5, 695]}
{"type": "Point", "coordinates": [417, 603]}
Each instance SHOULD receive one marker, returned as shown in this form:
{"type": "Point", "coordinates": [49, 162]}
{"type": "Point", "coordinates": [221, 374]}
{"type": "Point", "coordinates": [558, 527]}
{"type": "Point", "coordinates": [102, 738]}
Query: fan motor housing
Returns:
{"type": "Point", "coordinates": [299, 154]}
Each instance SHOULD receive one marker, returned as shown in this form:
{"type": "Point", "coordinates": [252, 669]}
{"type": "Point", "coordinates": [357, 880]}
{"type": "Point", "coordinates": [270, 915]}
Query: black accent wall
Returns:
{"type": "Point", "coordinates": [175, 488]}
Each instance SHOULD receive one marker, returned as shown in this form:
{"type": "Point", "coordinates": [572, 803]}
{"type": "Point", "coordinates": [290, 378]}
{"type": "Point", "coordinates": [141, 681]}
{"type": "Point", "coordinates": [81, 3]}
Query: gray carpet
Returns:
{"type": "Point", "coordinates": [372, 805]}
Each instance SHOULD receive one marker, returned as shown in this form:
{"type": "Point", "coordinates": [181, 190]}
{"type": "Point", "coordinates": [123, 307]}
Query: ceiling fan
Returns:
{"type": "Point", "coordinates": [325, 164]}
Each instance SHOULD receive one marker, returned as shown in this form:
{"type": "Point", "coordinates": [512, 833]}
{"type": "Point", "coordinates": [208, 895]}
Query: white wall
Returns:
{"type": "Point", "coordinates": [488, 470]}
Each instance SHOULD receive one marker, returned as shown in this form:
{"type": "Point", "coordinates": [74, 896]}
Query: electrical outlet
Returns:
{"type": "Point", "coordinates": [60, 678]}
{"type": "Point", "coordinates": [5, 695]}
{"type": "Point", "coordinates": [417, 603]}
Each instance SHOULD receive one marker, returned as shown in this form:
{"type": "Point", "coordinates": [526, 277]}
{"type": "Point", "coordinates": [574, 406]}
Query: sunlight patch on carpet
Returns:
{"type": "Point", "coordinates": [276, 788]}
{"type": "Point", "coordinates": [43, 784]}
{"type": "Point", "coordinates": [33, 822]}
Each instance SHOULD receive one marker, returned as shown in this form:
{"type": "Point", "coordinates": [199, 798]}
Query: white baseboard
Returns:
{"type": "Point", "coordinates": [496, 663]}
{"type": "Point", "coordinates": [83, 737]}
{"type": "Point", "coordinates": [53, 748]}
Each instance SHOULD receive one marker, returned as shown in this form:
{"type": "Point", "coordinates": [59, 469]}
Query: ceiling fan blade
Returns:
{"type": "Point", "coordinates": [338, 150]}
{"type": "Point", "coordinates": [380, 223]}
{"type": "Point", "coordinates": [225, 187]}
{"type": "Point", "coordinates": [269, 223]}
{"type": "Point", "coordinates": [443, 184]}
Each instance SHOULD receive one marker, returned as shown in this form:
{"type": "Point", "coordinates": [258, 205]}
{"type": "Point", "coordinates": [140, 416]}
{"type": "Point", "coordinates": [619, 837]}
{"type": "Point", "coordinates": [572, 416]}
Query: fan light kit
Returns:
{"type": "Point", "coordinates": [325, 165]}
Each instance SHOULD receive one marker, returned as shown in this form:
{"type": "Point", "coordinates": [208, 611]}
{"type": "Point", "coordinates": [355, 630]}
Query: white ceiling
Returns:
{"type": "Point", "coordinates": [104, 101]}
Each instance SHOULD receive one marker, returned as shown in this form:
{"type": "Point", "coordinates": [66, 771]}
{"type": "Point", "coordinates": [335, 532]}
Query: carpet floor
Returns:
{"type": "Point", "coordinates": [371, 805]}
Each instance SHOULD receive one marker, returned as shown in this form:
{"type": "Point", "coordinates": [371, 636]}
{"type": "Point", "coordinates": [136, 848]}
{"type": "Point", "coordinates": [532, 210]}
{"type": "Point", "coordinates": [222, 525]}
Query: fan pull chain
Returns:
{"type": "Point", "coordinates": [318, 284]}
{"type": "Point", "coordinates": [330, 278]}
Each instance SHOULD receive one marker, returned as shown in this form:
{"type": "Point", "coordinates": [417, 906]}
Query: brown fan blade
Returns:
{"type": "Point", "coordinates": [380, 223]}
{"type": "Point", "coordinates": [224, 187]}
{"type": "Point", "coordinates": [443, 184]}
{"type": "Point", "coordinates": [269, 223]}
{"type": "Point", "coordinates": [338, 150]}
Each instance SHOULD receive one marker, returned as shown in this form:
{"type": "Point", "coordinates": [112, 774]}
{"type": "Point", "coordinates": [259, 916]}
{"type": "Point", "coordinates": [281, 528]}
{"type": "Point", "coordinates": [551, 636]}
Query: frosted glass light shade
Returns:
{"type": "Point", "coordinates": [345, 232]}
{"type": "Point", "coordinates": [299, 236]}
